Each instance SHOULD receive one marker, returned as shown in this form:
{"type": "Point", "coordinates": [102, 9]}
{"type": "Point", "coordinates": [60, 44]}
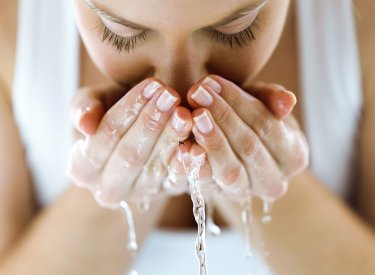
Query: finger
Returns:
{"type": "Point", "coordinates": [86, 111]}
{"type": "Point", "coordinates": [155, 170]}
{"type": "Point", "coordinates": [136, 145]}
{"type": "Point", "coordinates": [88, 157]}
{"type": "Point", "coordinates": [227, 171]}
{"type": "Point", "coordinates": [206, 183]}
{"type": "Point", "coordinates": [275, 97]}
{"type": "Point", "coordinates": [263, 174]}
{"type": "Point", "coordinates": [176, 182]}
{"type": "Point", "coordinates": [233, 107]}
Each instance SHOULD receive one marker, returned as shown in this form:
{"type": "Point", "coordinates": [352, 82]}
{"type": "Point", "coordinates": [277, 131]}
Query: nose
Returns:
{"type": "Point", "coordinates": [181, 66]}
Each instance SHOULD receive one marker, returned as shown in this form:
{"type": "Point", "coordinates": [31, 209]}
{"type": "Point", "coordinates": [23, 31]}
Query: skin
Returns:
{"type": "Point", "coordinates": [84, 242]}
{"type": "Point", "coordinates": [120, 174]}
{"type": "Point", "coordinates": [178, 44]}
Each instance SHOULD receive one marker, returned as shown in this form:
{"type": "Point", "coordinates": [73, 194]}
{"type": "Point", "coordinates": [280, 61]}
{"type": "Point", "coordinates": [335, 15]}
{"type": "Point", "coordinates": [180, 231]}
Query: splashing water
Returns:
{"type": "Point", "coordinates": [128, 216]}
{"type": "Point", "coordinates": [192, 172]}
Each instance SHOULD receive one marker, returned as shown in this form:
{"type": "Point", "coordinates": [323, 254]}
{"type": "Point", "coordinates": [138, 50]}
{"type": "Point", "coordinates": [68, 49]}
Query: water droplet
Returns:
{"type": "Point", "coordinates": [212, 228]}
{"type": "Point", "coordinates": [247, 220]}
{"type": "Point", "coordinates": [143, 205]}
{"type": "Point", "coordinates": [267, 208]}
{"type": "Point", "coordinates": [128, 216]}
{"type": "Point", "coordinates": [132, 246]}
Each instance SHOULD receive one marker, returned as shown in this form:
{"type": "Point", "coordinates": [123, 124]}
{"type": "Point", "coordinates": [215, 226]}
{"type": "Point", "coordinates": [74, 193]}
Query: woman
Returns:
{"type": "Point", "coordinates": [312, 231]}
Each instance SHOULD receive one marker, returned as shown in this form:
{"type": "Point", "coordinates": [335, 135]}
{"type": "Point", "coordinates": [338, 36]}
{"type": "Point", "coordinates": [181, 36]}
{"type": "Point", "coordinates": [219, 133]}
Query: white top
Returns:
{"type": "Point", "coordinates": [47, 73]}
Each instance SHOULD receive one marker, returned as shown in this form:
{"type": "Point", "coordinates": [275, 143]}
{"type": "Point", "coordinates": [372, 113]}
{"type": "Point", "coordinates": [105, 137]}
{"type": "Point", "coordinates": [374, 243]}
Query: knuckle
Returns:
{"type": "Point", "coordinates": [250, 146]}
{"type": "Point", "coordinates": [214, 144]}
{"type": "Point", "coordinates": [236, 100]}
{"type": "Point", "coordinates": [224, 115]}
{"type": "Point", "coordinates": [109, 129]}
{"type": "Point", "coordinates": [155, 170]}
{"type": "Point", "coordinates": [130, 157]}
{"type": "Point", "coordinates": [231, 176]}
{"type": "Point", "coordinates": [233, 180]}
{"type": "Point", "coordinates": [264, 126]}
{"type": "Point", "coordinates": [152, 123]}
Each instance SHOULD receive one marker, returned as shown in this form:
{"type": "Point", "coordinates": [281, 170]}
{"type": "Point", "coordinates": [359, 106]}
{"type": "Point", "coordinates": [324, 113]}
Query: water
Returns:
{"type": "Point", "coordinates": [212, 228]}
{"type": "Point", "coordinates": [199, 210]}
{"type": "Point", "coordinates": [267, 208]}
{"type": "Point", "coordinates": [192, 171]}
{"type": "Point", "coordinates": [247, 220]}
{"type": "Point", "coordinates": [128, 216]}
{"type": "Point", "coordinates": [143, 205]}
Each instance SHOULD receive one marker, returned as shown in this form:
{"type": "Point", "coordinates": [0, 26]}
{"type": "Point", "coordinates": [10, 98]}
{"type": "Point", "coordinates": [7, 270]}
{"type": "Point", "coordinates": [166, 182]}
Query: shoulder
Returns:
{"type": "Point", "coordinates": [8, 34]}
{"type": "Point", "coordinates": [365, 19]}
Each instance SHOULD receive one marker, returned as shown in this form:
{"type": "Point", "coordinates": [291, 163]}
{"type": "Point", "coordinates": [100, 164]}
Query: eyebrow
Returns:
{"type": "Point", "coordinates": [106, 14]}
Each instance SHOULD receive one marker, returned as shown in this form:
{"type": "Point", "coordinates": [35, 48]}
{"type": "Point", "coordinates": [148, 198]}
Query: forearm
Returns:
{"type": "Point", "coordinates": [311, 232]}
{"type": "Point", "coordinates": [76, 236]}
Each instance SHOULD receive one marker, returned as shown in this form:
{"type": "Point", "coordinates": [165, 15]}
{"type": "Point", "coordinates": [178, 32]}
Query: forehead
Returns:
{"type": "Point", "coordinates": [172, 15]}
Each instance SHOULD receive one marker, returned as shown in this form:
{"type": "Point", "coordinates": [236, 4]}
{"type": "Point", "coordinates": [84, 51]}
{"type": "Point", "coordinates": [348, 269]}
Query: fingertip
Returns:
{"type": "Point", "coordinates": [198, 155]}
{"type": "Point", "coordinates": [284, 104]}
{"type": "Point", "coordinates": [190, 100]}
{"type": "Point", "coordinates": [292, 98]}
{"type": "Point", "coordinates": [182, 120]}
{"type": "Point", "coordinates": [90, 118]}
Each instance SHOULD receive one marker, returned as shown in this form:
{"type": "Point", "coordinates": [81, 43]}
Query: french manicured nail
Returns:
{"type": "Point", "coordinates": [183, 157]}
{"type": "Point", "coordinates": [151, 89]}
{"type": "Point", "coordinates": [166, 101]}
{"type": "Point", "coordinates": [203, 123]}
{"type": "Point", "coordinates": [200, 159]}
{"type": "Point", "coordinates": [214, 85]}
{"type": "Point", "coordinates": [178, 123]}
{"type": "Point", "coordinates": [202, 97]}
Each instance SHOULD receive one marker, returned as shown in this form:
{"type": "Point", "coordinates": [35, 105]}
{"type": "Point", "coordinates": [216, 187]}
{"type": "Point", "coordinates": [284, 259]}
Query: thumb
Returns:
{"type": "Point", "coordinates": [276, 97]}
{"type": "Point", "coordinates": [86, 111]}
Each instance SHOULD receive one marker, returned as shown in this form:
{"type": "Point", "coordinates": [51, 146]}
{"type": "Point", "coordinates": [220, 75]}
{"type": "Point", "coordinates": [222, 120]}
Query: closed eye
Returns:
{"type": "Point", "coordinates": [129, 43]}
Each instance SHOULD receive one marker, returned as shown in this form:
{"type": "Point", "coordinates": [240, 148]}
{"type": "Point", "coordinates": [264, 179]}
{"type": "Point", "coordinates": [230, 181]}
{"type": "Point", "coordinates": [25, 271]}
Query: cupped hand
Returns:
{"type": "Point", "coordinates": [251, 141]}
{"type": "Point", "coordinates": [128, 151]}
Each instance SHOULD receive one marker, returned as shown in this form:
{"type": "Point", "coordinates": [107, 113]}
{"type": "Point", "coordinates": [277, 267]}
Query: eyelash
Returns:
{"type": "Point", "coordinates": [242, 38]}
{"type": "Point", "coordinates": [120, 43]}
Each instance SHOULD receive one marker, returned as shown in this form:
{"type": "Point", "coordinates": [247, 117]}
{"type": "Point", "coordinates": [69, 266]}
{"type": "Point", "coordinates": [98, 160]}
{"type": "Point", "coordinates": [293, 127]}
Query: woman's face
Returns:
{"type": "Point", "coordinates": [180, 41]}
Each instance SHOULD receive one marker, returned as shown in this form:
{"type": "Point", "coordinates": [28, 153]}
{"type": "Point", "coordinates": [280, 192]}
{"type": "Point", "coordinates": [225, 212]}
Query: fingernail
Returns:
{"type": "Point", "coordinates": [276, 86]}
{"type": "Point", "coordinates": [293, 96]}
{"type": "Point", "coordinates": [151, 89]}
{"type": "Point", "coordinates": [200, 159]}
{"type": "Point", "coordinates": [183, 157]}
{"type": "Point", "coordinates": [166, 101]}
{"type": "Point", "coordinates": [178, 123]}
{"type": "Point", "coordinates": [202, 97]}
{"type": "Point", "coordinates": [203, 123]}
{"type": "Point", "coordinates": [214, 85]}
